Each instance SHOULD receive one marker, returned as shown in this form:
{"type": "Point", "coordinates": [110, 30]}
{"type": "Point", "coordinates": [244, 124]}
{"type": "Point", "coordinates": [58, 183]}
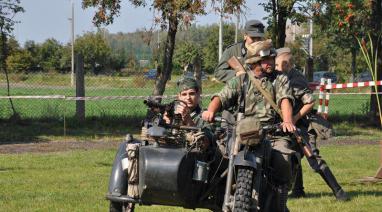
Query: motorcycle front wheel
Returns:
{"type": "Point", "coordinates": [243, 193]}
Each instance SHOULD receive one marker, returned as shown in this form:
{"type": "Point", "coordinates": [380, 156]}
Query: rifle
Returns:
{"type": "Point", "coordinates": [238, 67]}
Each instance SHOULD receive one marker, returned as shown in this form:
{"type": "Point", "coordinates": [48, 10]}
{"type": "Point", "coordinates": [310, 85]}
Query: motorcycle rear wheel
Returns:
{"type": "Point", "coordinates": [243, 193]}
{"type": "Point", "coordinates": [120, 207]}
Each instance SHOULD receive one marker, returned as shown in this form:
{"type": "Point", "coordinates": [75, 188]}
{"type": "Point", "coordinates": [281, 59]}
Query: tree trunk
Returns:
{"type": "Point", "coordinates": [4, 54]}
{"type": "Point", "coordinates": [281, 26]}
{"type": "Point", "coordinates": [274, 22]}
{"type": "Point", "coordinates": [164, 75]}
{"type": "Point", "coordinates": [353, 63]}
{"type": "Point", "coordinates": [376, 15]}
{"type": "Point", "coordinates": [197, 63]}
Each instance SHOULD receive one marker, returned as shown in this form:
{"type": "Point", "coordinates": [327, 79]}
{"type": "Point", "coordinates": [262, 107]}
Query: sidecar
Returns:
{"type": "Point", "coordinates": [169, 175]}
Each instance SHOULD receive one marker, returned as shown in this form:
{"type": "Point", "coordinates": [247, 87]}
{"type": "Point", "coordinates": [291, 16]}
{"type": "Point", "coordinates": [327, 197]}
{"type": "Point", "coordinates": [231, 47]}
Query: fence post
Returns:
{"type": "Point", "coordinates": [327, 97]}
{"type": "Point", "coordinates": [80, 88]}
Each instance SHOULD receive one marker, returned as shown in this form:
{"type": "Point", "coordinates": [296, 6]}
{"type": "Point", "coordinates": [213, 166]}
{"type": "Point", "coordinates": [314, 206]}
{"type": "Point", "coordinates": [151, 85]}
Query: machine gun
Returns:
{"type": "Point", "coordinates": [156, 129]}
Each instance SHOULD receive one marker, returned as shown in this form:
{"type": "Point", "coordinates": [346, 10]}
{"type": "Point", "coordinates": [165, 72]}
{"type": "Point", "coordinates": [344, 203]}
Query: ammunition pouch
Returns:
{"type": "Point", "coordinates": [248, 131]}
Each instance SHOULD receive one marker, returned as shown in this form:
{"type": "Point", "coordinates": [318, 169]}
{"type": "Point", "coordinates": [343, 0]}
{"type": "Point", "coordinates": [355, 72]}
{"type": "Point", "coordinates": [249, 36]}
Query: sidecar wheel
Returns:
{"type": "Point", "coordinates": [243, 193]}
{"type": "Point", "coordinates": [119, 207]}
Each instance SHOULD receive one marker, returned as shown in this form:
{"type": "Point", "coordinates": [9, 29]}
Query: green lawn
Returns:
{"type": "Point", "coordinates": [54, 119]}
{"type": "Point", "coordinates": [77, 181]}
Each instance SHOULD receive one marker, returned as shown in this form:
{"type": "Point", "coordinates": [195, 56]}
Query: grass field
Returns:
{"type": "Point", "coordinates": [54, 119]}
{"type": "Point", "coordinates": [77, 181]}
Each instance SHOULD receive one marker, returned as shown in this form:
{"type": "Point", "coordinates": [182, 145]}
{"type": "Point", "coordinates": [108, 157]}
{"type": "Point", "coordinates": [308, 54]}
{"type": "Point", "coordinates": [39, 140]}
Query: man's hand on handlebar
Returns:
{"type": "Point", "coordinates": [208, 116]}
{"type": "Point", "coordinates": [288, 127]}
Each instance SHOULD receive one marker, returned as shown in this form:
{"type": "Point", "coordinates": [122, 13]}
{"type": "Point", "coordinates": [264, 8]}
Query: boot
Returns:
{"type": "Point", "coordinates": [329, 178]}
{"type": "Point", "coordinates": [298, 188]}
{"type": "Point", "coordinates": [341, 195]}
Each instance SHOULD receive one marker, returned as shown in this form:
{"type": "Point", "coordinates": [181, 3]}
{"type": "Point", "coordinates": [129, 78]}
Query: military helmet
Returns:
{"type": "Point", "coordinates": [257, 51]}
{"type": "Point", "coordinates": [187, 83]}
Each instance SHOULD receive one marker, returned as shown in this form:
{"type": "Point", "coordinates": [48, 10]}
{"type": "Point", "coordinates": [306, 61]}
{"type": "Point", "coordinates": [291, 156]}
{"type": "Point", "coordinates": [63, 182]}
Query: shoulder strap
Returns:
{"type": "Point", "coordinates": [265, 93]}
{"type": "Point", "coordinates": [243, 94]}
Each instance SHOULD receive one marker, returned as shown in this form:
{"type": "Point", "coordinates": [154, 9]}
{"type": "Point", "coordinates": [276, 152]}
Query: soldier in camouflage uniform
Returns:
{"type": "Point", "coordinates": [254, 31]}
{"type": "Point", "coordinates": [304, 102]}
{"type": "Point", "coordinates": [190, 110]}
{"type": "Point", "coordinates": [256, 106]}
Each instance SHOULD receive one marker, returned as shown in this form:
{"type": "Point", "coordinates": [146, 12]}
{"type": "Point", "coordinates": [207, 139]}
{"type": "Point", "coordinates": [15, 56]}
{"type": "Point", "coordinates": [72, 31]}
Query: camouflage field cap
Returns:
{"type": "Point", "coordinates": [259, 50]}
{"type": "Point", "coordinates": [254, 28]}
{"type": "Point", "coordinates": [187, 83]}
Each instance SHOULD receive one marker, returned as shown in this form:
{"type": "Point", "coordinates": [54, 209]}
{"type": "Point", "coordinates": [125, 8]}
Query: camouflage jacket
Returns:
{"type": "Point", "coordinates": [300, 90]}
{"type": "Point", "coordinates": [207, 128]}
{"type": "Point", "coordinates": [255, 104]}
{"type": "Point", "coordinates": [223, 72]}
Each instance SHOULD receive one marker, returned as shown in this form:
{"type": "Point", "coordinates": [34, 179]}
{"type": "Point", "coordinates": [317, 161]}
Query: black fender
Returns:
{"type": "Point", "coordinates": [118, 178]}
{"type": "Point", "coordinates": [245, 158]}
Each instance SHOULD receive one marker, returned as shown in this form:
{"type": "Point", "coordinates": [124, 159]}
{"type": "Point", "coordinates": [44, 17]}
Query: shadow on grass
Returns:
{"type": "Point", "coordinates": [345, 123]}
{"type": "Point", "coordinates": [352, 194]}
{"type": "Point", "coordinates": [45, 130]}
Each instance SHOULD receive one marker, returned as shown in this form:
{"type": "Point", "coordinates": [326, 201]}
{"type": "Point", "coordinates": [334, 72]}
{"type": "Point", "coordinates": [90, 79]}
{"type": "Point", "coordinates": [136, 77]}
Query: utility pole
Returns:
{"type": "Point", "coordinates": [221, 30]}
{"type": "Point", "coordinates": [311, 37]}
{"type": "Point", "coordinates": [309, 60]}
{"type": "Point", "coordinates": [72, 34]}
{"type": "Point", "coordinates": [237, 24]}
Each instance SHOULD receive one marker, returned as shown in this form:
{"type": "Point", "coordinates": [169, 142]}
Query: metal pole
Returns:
{"type": "Point", "coordinates": [311, 37]}
{"type": "Point", "coordinates": [221, 30]}
{"type": "Point", "coordinates": [80, 88]}
{"type": "Point", "coordinates": [72, 32]}
{"type": "Point", "coordinates": [237, 24]}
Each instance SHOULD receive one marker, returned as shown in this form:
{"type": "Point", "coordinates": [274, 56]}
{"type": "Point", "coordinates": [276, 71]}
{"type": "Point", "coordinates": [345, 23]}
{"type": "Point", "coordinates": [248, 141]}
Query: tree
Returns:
{"type": "Point", "coordinates": [8, 9]}
{"type": "Point", "coordinates": [343, 21]}
{"type": "Point", "coordinates": [50, 53]}
{"type": "Point", "coordinates": [34, 50]}
{"type": "Point", "coordinates": [185, 53]}
{"type": "Point", "coordinates": [210, 49]}
{"type": "Point", "coordinates": [279, 11]}
{"type": "Point", "coordinates": [348, 20]}
{"type": "Point", "coordinates": [94, 49]}
{"type": "Point", "coordinates": [172, 13]}
{"type": "Point", "coordinates": [20, 61]}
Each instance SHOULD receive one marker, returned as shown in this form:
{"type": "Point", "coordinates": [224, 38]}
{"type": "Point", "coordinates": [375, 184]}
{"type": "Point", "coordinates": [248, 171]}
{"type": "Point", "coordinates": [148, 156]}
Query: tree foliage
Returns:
{"type": "Point", "coordinates": [19, 61]}
{"type": "Point", "coordinates": [210, 49]}
{"type": "Point", "coordinates": [94, 49]}
{"type": "Point", "coordinates": [185, 53]}
{"type": "Point", "coordinates": [50, 53]}
{"type": "Point", "coordinates": [172, 13]}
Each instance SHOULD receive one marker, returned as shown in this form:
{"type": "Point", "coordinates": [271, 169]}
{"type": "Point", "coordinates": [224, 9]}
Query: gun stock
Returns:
{"type": "Point", "coordinates": [305, 147]}
{"type": "Point", "coordinates": [234, 63]}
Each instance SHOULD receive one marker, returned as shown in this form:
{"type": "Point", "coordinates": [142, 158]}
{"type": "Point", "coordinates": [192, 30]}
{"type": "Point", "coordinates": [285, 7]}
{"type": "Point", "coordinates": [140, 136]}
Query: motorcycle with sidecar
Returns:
{"type": "Point", "coordinates": [174, 172]}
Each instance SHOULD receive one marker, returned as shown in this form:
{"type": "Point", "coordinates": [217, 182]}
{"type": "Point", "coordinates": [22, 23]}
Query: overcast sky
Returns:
{"type": "Point", "coordinates": [45, 19]}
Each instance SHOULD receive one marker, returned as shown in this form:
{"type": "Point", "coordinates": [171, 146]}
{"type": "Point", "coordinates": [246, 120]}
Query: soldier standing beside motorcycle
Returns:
{"type": "Point", "coordinates": [304, 102]}
{"type": "Point", "coordinates": [260, 62]}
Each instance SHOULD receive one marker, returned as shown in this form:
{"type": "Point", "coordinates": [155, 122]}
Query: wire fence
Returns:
{"type": "Point", "coordinates": [46, 104]}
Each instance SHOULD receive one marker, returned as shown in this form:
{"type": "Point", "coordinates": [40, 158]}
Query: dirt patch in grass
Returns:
{"type": "Point", "coordinates": [343, 141]}
{"type": "Point", "coordinates": [59, 146]}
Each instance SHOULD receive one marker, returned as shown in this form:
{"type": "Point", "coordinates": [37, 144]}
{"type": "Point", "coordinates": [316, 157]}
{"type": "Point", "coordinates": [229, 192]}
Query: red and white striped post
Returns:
{"type": "Point", "coordinates": [321, 95]}
{"type": "Point", "coordinates": [327, 97]}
